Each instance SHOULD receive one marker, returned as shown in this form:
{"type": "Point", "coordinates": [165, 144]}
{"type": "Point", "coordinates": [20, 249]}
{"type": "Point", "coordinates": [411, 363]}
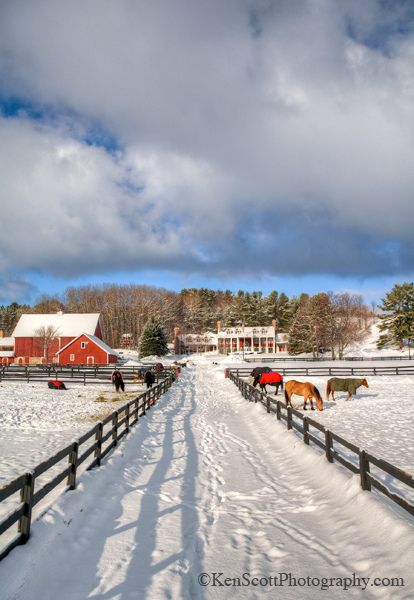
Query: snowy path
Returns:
{"type": "Point", "coordinates": [209, 483]}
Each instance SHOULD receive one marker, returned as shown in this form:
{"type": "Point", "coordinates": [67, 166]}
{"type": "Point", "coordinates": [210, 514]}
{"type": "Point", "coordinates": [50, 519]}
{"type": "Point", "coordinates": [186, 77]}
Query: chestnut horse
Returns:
{"type": "Point", "coordinates": [307, 390]}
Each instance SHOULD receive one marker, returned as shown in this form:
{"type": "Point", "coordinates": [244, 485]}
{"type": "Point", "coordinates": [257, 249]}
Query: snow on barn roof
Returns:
{"type": "Point", "coordinates": [94, 339]}
{"type": "Point", "coordinates": [66, 324]}
{"type": "Point", "coordinates": [6, 341]}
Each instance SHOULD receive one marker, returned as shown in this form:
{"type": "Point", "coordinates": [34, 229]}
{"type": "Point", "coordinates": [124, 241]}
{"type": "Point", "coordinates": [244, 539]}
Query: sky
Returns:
{"type": "Point", "coordinates": [250, 144]}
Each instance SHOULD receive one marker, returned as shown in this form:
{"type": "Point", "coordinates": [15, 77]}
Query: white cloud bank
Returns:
{"type": "Point", "coordinates": [271, 136]}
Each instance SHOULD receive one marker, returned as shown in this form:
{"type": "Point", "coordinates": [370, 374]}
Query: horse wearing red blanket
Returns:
{"type": "Point", "coordinates": [273, 378]}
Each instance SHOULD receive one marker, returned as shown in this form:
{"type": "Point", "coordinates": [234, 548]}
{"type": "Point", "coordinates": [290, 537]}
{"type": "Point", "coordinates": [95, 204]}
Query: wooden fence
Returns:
{"type": "Point", "coordinates": [99, 441]}
{"type": "Point", "coordinates": [77, 374]}
{"type": "Point", "coordinates": [322, 371]}
{"type": "Point", "coordinates": [332, 444]}
{"type": "Point", "coordinates": [276, 358]}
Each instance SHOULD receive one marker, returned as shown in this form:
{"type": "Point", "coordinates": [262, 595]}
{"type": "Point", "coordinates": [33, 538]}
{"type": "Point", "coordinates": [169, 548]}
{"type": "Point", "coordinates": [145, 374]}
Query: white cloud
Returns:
{"type": "Point", "coordinates": [248, 129]}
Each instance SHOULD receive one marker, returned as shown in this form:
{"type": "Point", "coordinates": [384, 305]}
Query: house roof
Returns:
{"type": "Point", "coordinates": [6, 341]}
{"type": "Point", "coordinates": [66, 324]}
{"type": "Point", "coordinates": [94, 339]}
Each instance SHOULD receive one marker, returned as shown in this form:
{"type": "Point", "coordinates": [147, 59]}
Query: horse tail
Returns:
{"type": "Point", "coordinates": [318, 397]}
{"type": "Point", "coordinates": [287, 399]}
{"type": "Point", "coordinates": [328, 390]}
{"type": "Point", "coordinates": [281, 384]}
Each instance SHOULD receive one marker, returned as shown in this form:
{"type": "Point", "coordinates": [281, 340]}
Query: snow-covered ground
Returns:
{"type": "Point", "coordinates": [209, 483]}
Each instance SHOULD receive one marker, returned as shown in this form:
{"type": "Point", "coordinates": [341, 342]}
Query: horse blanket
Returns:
{"type": "Point", "coordinates": [345, 385]}
{"type": "Point", "coordinates": [56, 385]}
{"type": "Point", "coordinates": [271, 378]}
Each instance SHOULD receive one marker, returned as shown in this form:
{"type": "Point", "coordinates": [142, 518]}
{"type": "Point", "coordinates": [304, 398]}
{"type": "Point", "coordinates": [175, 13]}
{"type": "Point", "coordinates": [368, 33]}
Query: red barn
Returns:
{"type": "Point", "coordinates": [31, 347]}
{"type": "Point", "coordinates": [86, 350]}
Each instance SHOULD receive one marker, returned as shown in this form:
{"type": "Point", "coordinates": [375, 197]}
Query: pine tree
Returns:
{"type": "Point", "coordinates": [153, 341]}
{"type": "Point", "coordinates": [397, 319]}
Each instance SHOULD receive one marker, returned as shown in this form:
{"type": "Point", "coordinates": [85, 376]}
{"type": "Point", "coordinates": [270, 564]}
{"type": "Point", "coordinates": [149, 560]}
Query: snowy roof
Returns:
{"type": "Point", "coordinates": [66, 324]}
{"type": "Point", "coordinates": [94, 339]}
{"type": "Point", "coordinates": [6, 341]}
{"type": "Point", "coordinates": [6, 354]}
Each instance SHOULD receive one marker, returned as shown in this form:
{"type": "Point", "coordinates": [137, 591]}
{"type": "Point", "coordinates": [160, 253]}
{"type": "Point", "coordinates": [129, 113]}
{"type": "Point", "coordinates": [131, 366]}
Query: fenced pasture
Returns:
{"type": "Point", "coordinates": [389, 480]}
{"type": "Point", "coordinates": [321, 371]}
{"type": "Point", "coordinates": [97, 442]}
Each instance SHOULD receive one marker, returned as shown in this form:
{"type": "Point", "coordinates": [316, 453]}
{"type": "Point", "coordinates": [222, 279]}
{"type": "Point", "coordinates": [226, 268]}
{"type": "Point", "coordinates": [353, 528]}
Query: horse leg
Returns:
{"type": "Point", "coordinates": [277, 389]}
{"type": "Point", "coordinates": [349, 396]}
{"type": "Point", "coordinates": [311, 402]}
{"type": "Point", "coordinates": [304, 402]}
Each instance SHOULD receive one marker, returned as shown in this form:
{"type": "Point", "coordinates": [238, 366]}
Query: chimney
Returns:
{"type": "Point", "coordinates": [274, 323]}
{"type": "Point", "coordinates": [218, 326]}
{"type": "Point", "coordinates": [1, 333]}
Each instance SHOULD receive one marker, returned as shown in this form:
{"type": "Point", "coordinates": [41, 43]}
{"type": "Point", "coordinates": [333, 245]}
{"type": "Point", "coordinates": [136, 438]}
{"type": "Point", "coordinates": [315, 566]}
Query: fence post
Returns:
{"type": "Point", "coordinates": [127, 418]}
{"type": "Point", "coordinates": [268, 404]}
{"type": "Point", "coordinates": [27, 499]}
{"type": "Point", "coordinates": [98, 443]}
{"type": "Point", "coordinates": [278, 410]}
{"type": "Point", "coordinates": [84, 378]}
{"type": "Point", "coordinates": [364, 470]}
{"type": "Point", "coordinates": [73, 461]}
{"type": "Point", "coordinates": [328, 445]}
{"type": "Point", "coordinates": [306, 430]}
{"type": "Point", "coordinates": [144, 403]}
{"type": "Point", "coordinates": [115, 427]}
{"type": "Point", "coordinates": [289, 417]}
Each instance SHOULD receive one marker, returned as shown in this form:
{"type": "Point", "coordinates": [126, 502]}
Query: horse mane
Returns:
{"type": "Point", "coordinates": [317, 394]}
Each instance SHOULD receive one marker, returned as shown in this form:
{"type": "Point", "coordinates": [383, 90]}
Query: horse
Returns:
{"type": "Point", "coordinates": [307, 390]}
{"type": "Point", "coordinates": [337, 384]}
{"type": "Point", "coordinates": [272, 378]}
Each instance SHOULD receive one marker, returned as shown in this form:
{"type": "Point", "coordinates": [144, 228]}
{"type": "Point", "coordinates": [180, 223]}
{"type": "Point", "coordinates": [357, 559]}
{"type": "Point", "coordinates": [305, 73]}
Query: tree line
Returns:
{"type": "Point", "coordinates": [322, 322]}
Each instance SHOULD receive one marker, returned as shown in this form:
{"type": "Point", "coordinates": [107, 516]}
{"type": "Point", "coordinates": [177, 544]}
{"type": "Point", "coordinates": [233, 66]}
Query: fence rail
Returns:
{"type": "Point", "coordinates": [275, 358]}
{"type": "Point", "coordinates": [111, 429]}
{"type": "Point", "coordinates": [332, 444]}
{"type": "Point", "coordinates": [330, 371]}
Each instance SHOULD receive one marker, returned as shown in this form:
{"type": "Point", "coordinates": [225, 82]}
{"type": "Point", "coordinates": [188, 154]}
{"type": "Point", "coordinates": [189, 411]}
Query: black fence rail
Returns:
{"type": "Point", "coordinates": [275, 358]}
{"type": "Point", "coordinates": [77, 374]}
{"type": "Point", "coordinates": [355, 459]}
{"type": "Point", "coordinates": [96, 442]}
{"type": "Point", "coordinates": [332, 371]}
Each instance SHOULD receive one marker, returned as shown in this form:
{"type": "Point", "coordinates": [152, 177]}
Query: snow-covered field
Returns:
{"type": "Point", "coordinates": [36, 422]}
{"type": "Point", "coordinates": [209, 483]}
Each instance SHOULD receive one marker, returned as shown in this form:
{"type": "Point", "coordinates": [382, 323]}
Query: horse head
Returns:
{"type": "Point", "coordinates": [365, 383]}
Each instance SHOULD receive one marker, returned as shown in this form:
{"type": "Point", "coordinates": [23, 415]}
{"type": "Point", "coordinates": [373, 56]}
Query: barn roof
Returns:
{"type": "Point", "coordinates": [94, 339]}
{"type": "Point", "coordinates": [6, 341]}
{"type": "Point", "coordinates": [66, 324]}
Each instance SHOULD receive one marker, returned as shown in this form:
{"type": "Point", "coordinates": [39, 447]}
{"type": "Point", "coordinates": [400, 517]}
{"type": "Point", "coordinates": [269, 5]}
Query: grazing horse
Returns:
{"type": "Point", "coordinates": [307, 390]}
{"type": "Point", "coordinates": [337, 384]}
{"type": "Point", "coordinates": [271, 379]}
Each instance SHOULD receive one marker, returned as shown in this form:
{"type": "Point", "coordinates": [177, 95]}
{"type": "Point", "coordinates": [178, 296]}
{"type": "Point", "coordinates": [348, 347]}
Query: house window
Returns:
{"type": "Point", "coordinates": [72, 357]}
{"type": "Point", "coordinates": [83, 345]}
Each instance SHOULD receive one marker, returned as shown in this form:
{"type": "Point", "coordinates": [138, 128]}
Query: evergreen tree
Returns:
{"type": "Point", "coordinates": [397, 318]}
{"type": "Point", "coordinates": [153, 341]}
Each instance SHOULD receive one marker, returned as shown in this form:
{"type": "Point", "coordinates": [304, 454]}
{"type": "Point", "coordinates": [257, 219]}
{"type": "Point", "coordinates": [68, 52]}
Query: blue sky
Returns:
{"type": "Point", "coordinates": [239, 145]}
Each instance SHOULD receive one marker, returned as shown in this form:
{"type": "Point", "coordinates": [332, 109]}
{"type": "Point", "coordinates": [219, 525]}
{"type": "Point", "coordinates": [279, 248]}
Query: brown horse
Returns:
{"type": "Point", "coordinates": [307, 390]}
{"type": "Point", "coordinates": [350, 385]}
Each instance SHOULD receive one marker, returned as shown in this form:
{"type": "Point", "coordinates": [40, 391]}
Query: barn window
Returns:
{"type": "Point", "coordinates": [72, 357]}
{"type": "Point", "coordinates": [83, 345]}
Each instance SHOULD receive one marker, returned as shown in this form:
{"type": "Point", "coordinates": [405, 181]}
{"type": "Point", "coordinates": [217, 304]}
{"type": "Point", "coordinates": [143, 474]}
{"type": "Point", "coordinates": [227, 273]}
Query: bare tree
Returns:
{"type": "Point", "coordinates": [45, 336]}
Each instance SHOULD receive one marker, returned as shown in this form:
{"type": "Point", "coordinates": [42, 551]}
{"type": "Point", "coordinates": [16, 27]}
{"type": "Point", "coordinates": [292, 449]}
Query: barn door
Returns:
{"type": "Point", "coordinates": [90, 360]}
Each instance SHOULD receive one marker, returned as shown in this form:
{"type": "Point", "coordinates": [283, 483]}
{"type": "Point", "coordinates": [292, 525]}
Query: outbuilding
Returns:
{"type": "Point", "coordinates": [86, 350]}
